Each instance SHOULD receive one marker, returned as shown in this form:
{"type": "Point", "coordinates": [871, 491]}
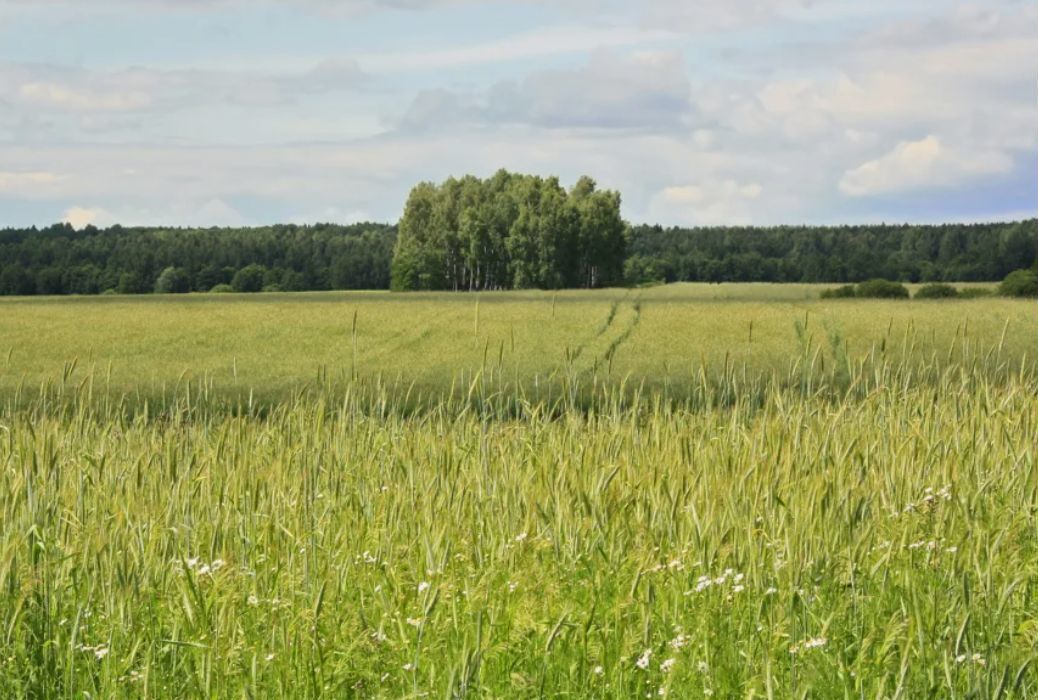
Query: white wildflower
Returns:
{"type": "Point", "coordinates": [270, 657]}
{"type": "Point", "coordinates": [423, 587]}
{"type": "Point", "coordinates": [101, 652]}
{"type": "Point", "coordinates": [253, 601]}
{"type": "Point", "coordinates": [816, 643]}
{"type": "Point", "coordinates": [668, 664]}
{"type": "Point", "coordinates": [643, 660]}
{"type": "Point", "coordinates": [415, 621]}
{"type": "Point", "coordinates": [409, 667]}
{"type": "Point", "coordinates": [598, 670]}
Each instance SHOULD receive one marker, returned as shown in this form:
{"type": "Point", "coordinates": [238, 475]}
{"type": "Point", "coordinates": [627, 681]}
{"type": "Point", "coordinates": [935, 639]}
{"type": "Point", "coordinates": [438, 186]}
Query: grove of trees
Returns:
{"type": "Point", "coordinates": [509, 232]}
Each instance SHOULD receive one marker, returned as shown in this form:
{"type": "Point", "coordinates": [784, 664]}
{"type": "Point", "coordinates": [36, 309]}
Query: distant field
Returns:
{"type": "Point", "coordinates": [271, 344]}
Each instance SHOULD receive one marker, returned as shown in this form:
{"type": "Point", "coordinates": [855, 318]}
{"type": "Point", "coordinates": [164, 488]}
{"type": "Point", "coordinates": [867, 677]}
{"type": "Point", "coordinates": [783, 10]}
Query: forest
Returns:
{"type": "Point", "coordinates": [507, 232]}
{"type": "Point", "coordinates": [944, 253]}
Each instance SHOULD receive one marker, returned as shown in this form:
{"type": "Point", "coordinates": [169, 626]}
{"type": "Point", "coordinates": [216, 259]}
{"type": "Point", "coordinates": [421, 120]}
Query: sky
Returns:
{"type": "Point", "coordinates": [700, 112]}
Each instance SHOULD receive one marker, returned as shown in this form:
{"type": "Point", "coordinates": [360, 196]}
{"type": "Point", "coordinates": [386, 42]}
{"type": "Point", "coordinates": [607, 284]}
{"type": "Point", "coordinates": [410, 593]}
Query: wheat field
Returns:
{"type": "Point", "coordinates": [225, 498]}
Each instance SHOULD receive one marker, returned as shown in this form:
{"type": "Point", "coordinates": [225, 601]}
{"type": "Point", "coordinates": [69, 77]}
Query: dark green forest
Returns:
{"type": "Point", "coordinates": [61, 260]}
{"type": "Point", "coordinates": [945, 253]}
{"type": "Point", "coordinates": [507, 232]}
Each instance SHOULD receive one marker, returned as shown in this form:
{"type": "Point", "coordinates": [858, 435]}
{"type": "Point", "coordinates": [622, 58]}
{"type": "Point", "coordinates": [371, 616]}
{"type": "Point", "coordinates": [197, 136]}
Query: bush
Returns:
{"type": "Point", "coordinates": [1022, 283]}
{"type": "Point", "coordinates": [272, 288]}
{"type": "Point", "coordinates": [937, 290]}
{"type": "Point", "coordinates": [975, 292]}
{"type": "Point", "coordinates": [844, 292]}
{"type": "Point", "coordinates": [882, 289]}
{"type": "Point", "coordinates": [249, 279]}
{"type": "Point", "coordinates": [221, 289]}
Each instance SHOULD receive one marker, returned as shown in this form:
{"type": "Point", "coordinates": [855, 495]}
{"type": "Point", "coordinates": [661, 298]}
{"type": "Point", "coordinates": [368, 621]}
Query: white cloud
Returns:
{"type": "Point", "coordinates": [81, 217]}
{"type": "Point", "coordinates": [919, 164]}
{"type": "Point", "coordinates": [725, 202]}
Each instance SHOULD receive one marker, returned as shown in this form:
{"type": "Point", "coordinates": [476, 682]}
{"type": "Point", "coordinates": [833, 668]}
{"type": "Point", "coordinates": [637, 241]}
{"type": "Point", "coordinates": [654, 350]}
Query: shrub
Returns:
{"type": "Point", "coordinates": [1021, 283]}
{"type": "Point", "coordinates": [882, 289]}
{"type": "Point", "coordinates": [272, 288]}
{"type": "Point", "coordinates": [844, 292]}
{"type": "Point", "coordinates": [221, 289]}
{"type": "Point", "coordinates": [975, 292]}
{"type": "Point", "coordinates": [937, 290]}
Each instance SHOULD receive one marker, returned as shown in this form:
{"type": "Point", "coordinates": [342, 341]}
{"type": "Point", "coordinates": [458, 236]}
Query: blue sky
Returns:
{"type": "Point", "coordinates": [230, 112]}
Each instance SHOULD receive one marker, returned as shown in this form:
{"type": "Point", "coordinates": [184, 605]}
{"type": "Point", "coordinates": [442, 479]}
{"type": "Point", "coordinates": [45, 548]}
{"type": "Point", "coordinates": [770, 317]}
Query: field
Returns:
{"type": "Point", "coordinates": [691, 491]}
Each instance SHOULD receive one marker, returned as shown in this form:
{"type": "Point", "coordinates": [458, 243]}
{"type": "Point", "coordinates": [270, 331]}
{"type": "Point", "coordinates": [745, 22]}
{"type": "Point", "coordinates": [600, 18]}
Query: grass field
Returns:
{"type": "Point", "coordinates": [842, 505]}
{"type": "Point", "coordinates": [267, 346]}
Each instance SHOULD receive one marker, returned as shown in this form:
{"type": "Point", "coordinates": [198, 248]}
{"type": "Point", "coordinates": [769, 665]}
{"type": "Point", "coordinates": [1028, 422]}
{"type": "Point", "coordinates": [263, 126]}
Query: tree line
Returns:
{"type": "Point", "coordinates": [509, 231]}
{"type": "Point", "coordinates": [506, 232]}
{"type": "Point", "coordinates": [949, 252]}
{"type": "Point", "coordinates": [61, 260]}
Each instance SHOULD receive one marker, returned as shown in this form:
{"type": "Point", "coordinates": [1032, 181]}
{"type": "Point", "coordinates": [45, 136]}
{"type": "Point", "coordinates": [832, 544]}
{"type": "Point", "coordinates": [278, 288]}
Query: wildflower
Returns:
{"type": "Point", "coordinates": [668, 664]}
{"type": "Point", "coordinates": [253, 601]}
{"type": "Point", "coordinates": [643, 660]}
{"type": "Point", "coordinates": [679, 642]}
{"type": "Point", "coordinates": [738, 589]}
{"type": "Point", "coordinates": [816, 643]}
{"type": "Point", "coordinates": [101, 652]}
{"type": "Point", "coordinates": [218, 564]}
{"type": "Point", "coordinates": [270, 657]}
{"type": "Point", "coordinates": [423, 587]}
{"type": "Point", "coordinates": [771, 591]}
{"type": "Point", "coordinates": [520, 538]}
{"type": "Point", "coordinates": [512, 586]}
{"type": "Point", "coordinates": [409, 667]}
{"type": "Point", "coordinates": [978, 659]}
{"type": "Point", "coordinates": [598, 670]}
{"type": "Point", "coordinates": [960, 658]}
{"type": "Point", "coordinates": [702, 667]}
{"type": "Point", "coordinates": [415, 621]}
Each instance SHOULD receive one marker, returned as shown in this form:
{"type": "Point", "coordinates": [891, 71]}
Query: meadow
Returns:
{"type": "Point", "coordinates": [687, 491]}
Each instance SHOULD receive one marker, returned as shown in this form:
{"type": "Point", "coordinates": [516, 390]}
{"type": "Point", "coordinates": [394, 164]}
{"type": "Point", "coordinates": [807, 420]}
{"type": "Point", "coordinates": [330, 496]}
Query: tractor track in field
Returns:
{"type": "Point", "coordinates": [622, 320]}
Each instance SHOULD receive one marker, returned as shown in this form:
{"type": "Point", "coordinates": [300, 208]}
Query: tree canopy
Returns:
{"type": "Point", "coordinates": [509, 232]}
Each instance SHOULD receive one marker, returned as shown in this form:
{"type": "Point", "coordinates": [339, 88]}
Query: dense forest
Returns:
{"type": "Point", "coordinates": [61, 260]}
{"type": "Point", "coordinates": [509, 232]}
{"type": "Point", "coordinates": [950, 253]}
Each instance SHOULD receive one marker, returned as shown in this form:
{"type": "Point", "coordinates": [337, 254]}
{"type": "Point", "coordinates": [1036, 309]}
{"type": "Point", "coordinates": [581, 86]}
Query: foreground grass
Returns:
{"type": "Point", "coordinates": [883, 545]}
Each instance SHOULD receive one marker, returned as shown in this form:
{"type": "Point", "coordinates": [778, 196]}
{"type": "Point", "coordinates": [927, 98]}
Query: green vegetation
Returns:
{"type": "Point", "coordinates": [691, 490]}
{"type": "Point", "coordinates": [268, 346]}
{"type": "Point", "coordinates": [937, 290]}
{"type": "Point", "coordinates": [1021, 283]}
{"type": "Point", "coordinates": [951, 252]}
{"type": "Point", "coordinates": [509, 232]}
{"type": "Point", "coordinates": [61, 260]}
{"type": "Point", "coordinates": [459, 236]}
